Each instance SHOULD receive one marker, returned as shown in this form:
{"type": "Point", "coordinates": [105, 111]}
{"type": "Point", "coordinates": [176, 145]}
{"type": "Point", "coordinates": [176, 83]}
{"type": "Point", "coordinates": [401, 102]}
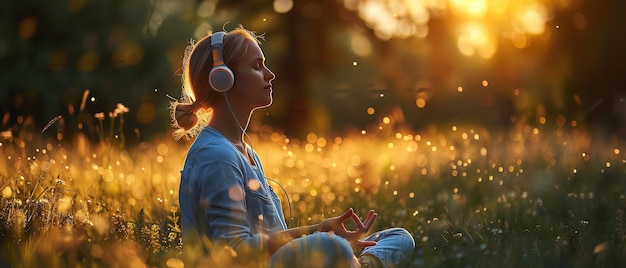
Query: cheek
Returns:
{"type": "Point", "coordinates": [248, 78]}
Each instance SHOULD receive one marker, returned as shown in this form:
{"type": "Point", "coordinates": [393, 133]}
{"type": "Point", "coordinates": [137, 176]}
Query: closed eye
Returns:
{"type": "Point", "coordinates": [258, 64]}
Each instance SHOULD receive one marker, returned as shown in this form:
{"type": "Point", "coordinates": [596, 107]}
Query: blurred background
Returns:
{"type": "Point", "coordinates": [341, 65]}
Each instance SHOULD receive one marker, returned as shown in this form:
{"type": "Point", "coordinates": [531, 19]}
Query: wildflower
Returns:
{"type": "Point", "coordinates": [120, 109]}
{"type": "Point", "coordinates": [172, 236]}
{"type": "Point", "coordinates": [150, 235]}
{"type": "Point", "coordinates": [130, 230]}
{"type": "Point", "coordinates": [118, 228]}
{"type": "Point", "coordinates": [99, 116]}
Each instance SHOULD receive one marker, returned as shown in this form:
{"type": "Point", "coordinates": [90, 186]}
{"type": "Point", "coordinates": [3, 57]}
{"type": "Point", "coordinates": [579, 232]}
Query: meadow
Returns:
{"type": "Point", "coordinates": [537, 193]}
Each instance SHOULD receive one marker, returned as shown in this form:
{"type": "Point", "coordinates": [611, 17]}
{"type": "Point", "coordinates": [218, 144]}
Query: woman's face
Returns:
{"type": "Point", "coordinates": [253, 80]}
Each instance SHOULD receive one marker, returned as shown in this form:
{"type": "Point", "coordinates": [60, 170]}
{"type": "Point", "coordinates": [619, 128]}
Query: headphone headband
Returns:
{"type": "Point", "coordinates": [217, 47]}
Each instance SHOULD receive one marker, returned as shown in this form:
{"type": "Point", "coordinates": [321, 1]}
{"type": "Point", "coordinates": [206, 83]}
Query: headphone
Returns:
{"type": "Point", "coordinates": [221, 78]}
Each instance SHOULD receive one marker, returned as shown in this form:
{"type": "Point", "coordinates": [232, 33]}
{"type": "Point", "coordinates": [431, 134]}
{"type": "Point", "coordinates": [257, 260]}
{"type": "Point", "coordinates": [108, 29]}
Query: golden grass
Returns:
{"type": "Point", "coordinates": [534, 195]}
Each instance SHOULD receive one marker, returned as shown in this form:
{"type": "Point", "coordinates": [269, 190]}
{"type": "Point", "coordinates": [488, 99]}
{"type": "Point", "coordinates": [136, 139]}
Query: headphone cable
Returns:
{"type": "Point", "coordinates": [288, 201]}
{"type": "Point", "coordinates": [250, 141]}
{"type": "Point", "coordinates": [236, 120]}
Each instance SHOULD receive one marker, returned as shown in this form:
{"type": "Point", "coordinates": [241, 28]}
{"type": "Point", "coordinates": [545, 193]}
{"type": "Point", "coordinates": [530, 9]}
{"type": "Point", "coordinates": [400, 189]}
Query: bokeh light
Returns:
{"type": "Point", "coordinates": [479, 24]}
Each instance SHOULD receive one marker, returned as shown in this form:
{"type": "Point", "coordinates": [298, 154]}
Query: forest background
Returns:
{"type": "Point", "coordinates": [339, 64]}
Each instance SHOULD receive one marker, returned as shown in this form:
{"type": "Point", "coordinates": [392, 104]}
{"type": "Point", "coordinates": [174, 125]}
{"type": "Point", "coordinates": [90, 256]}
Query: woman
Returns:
{"type": "Point", "coordinates": [228, 209]}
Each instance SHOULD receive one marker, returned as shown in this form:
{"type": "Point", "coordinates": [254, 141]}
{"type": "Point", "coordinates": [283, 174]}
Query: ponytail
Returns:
{"type": "Point", "coordinates": [185, 115]}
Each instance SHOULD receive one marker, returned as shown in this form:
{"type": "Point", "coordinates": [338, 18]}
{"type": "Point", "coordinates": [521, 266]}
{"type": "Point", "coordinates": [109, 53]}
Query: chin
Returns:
{"type": "Point", "coordinates": [267, 104]}
{"type": "Point", "coordinates": [269, 101]}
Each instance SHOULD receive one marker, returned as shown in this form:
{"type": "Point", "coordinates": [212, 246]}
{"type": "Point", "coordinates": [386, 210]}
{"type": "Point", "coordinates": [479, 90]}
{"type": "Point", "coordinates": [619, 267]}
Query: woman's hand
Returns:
{"type": "Point", "coordinates": [336, 225]}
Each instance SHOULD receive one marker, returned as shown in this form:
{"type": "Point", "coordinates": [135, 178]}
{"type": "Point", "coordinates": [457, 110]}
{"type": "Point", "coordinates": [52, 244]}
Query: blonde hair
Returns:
{"type": "Point", "coordinates": [193, 111]}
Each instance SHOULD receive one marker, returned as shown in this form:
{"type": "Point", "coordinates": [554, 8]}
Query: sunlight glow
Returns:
{"type": "Point", "coordinates": [206, 8]}
{"type": "Point", "coordinates": [476, 40]}
{"type": "Point", "coordinates": [469, 8]}
{"type": "Point", "coordinates": [516, 21]}
{"type": "Point", "coordinates": [360, 45]}
{"type": "Point", "coordinates": [531, 19]}
{"type": "Point", "coordinates": [283, 6]}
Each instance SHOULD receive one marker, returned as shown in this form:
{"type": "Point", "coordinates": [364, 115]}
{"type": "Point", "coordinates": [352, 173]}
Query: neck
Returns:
{"type": "Point", "coordinates": [230, 123]}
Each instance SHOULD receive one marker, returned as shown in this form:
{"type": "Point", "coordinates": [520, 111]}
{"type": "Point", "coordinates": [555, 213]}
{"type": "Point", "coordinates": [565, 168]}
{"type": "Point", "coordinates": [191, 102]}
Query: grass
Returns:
{"type": "Point", "coordinates": [529, 196]}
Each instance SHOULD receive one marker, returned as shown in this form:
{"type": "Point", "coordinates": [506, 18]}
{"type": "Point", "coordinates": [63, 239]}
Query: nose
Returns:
{"type": "Point", "coordinates": [269, 75]}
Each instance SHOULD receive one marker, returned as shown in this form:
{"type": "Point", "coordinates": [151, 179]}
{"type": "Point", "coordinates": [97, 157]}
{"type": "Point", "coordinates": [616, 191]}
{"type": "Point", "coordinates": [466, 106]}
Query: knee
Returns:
{"type": "Point", "coordinates": [402, 232]}
{"type": "Point", "coordinates": [331, 245]}
{"type": "Point", "coordinates": [315, 250]}
{"type": "Point", "coordinates": [407, 239]}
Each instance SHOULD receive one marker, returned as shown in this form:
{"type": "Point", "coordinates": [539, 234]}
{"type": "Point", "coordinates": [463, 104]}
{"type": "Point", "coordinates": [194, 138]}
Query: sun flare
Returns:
{"type": "Point", "coordinates": [491, 20]}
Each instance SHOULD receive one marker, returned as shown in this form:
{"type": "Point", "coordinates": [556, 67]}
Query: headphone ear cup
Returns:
{"type": "Point", "coordinates": [221, 78]}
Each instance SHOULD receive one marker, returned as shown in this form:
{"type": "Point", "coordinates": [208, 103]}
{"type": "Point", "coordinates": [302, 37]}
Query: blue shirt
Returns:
{"type": "Point", "coordinates": [225, 198]}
